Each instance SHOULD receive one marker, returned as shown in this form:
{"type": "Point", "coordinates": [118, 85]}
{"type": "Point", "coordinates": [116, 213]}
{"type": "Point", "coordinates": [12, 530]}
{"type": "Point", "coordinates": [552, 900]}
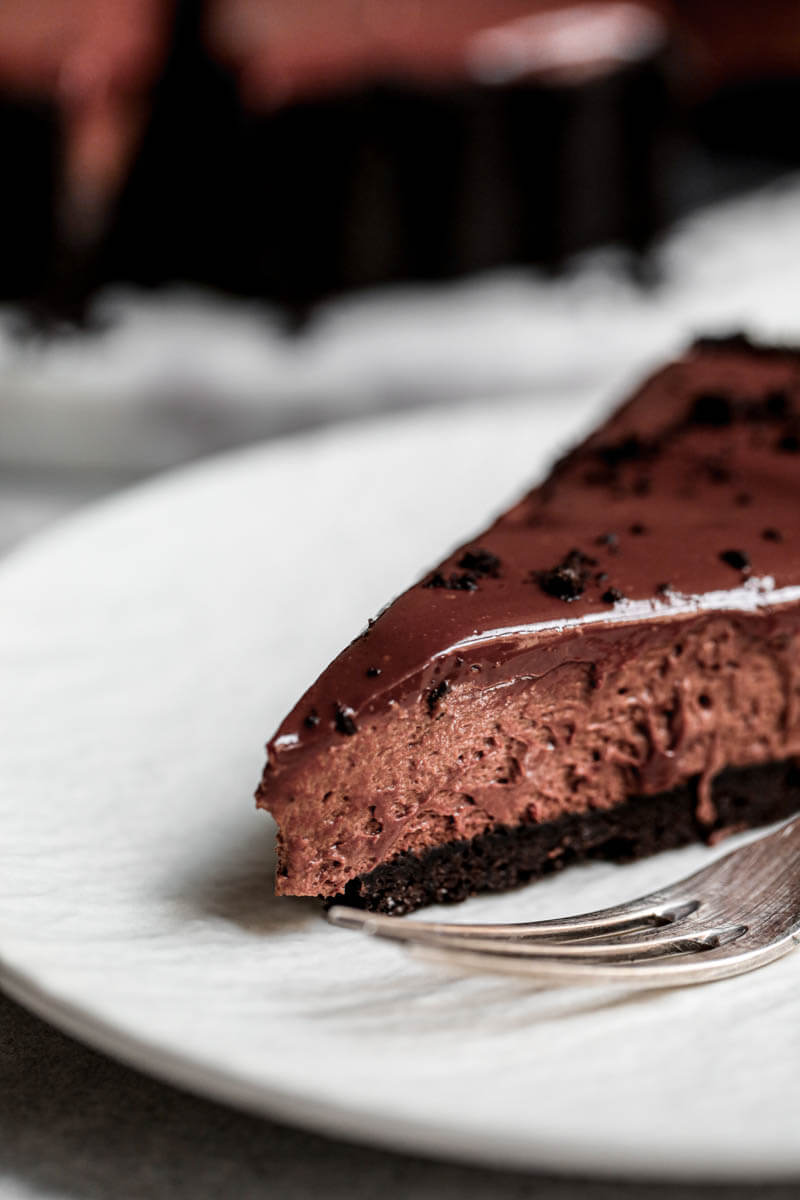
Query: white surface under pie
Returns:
{"type": "Point", "coordinates": [147, 649]}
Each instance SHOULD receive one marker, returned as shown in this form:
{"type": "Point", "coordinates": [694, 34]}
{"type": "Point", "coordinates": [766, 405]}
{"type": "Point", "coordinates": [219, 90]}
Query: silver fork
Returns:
{"type": "Point", "coordinates": [737, 914]}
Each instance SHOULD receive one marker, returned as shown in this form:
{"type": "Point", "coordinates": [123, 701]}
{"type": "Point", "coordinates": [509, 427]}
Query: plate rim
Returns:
{"type": "Point", "coordinates": [564, 1157]}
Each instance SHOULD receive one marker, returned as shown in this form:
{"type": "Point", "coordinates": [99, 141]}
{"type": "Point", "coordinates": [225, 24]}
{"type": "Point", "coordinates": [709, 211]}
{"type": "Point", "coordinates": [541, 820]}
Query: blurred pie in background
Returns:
{"type": "Point", "coordinates": [293, 151]}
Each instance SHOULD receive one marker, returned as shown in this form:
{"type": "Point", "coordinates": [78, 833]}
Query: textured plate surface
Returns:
{"type": "Point", "coordinates": [146, 651]}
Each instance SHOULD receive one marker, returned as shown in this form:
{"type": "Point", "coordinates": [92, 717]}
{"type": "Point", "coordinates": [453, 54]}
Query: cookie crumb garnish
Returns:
{"type": "Point", "coordinates": [628, 449]}
{"type": "Point", "coordinates": [736, 559]}
{"type": "Point", "coordinates": [480, 562]}
{"type": "Point", "coordinates": [711, 408]}
{"type": "Point", "coordinates": [465, 582]}
{"type": "Point", "coordinates": [373, 672]}
{"type": "Point", "coordinates": [567, 580]}
{"type": "Point", "coordinates": [344, 721]}
{"type": "Point", "coordinates": [612, 595]}
{"type": "Point", "coordinates": [436, 693]}
{"type": "Point", "coordinates": [311, 720]}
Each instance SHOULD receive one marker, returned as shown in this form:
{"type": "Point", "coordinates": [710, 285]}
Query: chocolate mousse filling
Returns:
{"type": "Point", "coordinates": [509, 856]}
{"type": "Point", "coordinates": [612, 668]}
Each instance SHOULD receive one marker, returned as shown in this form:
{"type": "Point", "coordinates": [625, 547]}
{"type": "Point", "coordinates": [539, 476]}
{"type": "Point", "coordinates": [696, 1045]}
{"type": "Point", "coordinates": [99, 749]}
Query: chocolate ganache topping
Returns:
{"type": "Point", "coordinates": [628, 624]}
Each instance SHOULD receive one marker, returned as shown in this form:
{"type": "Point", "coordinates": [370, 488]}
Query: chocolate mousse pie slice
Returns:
{"type": "Point", "coordinates": [611, 669]}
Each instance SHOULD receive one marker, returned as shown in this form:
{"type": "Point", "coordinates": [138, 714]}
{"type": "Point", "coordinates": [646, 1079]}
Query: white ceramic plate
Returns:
{"type": "Point", "coordinates": [146, 652]}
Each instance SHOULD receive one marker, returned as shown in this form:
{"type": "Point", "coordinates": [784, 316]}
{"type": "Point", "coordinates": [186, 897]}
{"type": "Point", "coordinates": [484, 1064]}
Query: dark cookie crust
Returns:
{"type": "Point", "coordinates": [510, 856]}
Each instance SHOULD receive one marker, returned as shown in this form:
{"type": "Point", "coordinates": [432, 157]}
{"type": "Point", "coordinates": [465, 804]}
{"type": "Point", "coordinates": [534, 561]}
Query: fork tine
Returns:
{"type": "Point", "coordinates": [676, 970]}
{"type": "Point", "coordinates": [653, 911]}
{"type": "Point", "coordinates": [630, 948]}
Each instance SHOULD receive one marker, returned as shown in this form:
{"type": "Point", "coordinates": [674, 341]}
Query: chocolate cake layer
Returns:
{"type": "Point", "coordinates": [631, 625]}
{"type": "Point", "coordinates": [510, 856]}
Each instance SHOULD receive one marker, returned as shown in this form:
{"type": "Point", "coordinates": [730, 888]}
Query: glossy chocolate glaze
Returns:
{"type": "Point", "coordinates": [682, 509]}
